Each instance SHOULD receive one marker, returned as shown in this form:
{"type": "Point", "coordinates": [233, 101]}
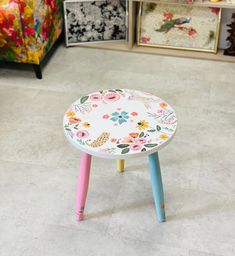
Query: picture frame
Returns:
{"type": "Point", "coordinates": [184, 27]}
{"type": "Point", "coordinates": [98, 21]}
{"type": "Point", "coordinates": [177, 1]}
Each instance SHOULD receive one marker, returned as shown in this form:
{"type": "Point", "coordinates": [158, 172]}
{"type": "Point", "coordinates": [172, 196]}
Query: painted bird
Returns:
{"type": "Point", "coordinates": [169, 24]}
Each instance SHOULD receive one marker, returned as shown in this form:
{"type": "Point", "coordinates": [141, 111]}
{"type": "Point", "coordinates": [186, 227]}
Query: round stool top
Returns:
{"type": "Point", "coordinates": [119, 123]}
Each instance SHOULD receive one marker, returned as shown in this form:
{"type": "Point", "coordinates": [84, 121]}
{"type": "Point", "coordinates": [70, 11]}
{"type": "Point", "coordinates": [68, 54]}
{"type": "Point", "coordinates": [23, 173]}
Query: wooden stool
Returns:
{"type": "Point", "coordinates": [119, 124]}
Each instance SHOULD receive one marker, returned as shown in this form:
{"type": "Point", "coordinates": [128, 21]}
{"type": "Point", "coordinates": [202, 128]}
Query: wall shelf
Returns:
{"type": "Point", "coordinates": [122, 46]}
{"type": "Point", "coordinates": [130, 45]}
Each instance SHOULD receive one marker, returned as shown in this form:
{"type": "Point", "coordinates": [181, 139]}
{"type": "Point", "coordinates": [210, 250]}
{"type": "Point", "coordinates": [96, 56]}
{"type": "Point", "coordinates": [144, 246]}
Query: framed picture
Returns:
{"type": "Point", "coordinates": [94, 21]}
{"type": "Point", "coordinates": [184, 27]}
{"type": "Point", "coordinates": [177, 1]}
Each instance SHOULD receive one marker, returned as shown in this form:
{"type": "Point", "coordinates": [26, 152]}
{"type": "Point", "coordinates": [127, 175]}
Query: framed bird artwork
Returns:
{"type": "Point", "coordinates": [184, 27]}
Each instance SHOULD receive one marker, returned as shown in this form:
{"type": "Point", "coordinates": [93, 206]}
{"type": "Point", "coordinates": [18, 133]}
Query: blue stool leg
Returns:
{"type": "Point", "coordinates": [157, 188]}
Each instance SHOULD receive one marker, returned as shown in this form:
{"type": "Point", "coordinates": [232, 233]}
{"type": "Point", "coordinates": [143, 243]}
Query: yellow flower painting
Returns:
{"type": "Point", "coordinates": [142, 125]}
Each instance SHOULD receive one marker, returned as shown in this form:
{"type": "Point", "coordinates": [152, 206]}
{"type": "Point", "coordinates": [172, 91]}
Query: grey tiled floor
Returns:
{"type": "Point", "coordinates": [38, 167]}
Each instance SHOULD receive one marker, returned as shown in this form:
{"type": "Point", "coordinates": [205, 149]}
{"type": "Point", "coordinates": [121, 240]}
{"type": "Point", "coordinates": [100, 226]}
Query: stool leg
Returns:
{"type": "Point", "coordinates": [83, 182]}
{"type": "Point", "coordinates": [121, 165]}
{"type": "Point", "coordinates": [157, 188]}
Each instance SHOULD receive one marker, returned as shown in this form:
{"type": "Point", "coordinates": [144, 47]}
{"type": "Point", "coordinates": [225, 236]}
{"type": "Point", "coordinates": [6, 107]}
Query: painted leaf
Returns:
{"type": "Point", "coordinates": [123, 145]}
{"type": "Point", "coordinates": [81, 142]}
{"type": "Point", "coordinates": [124, 113]}
{"type": "Point", "coordinates": [125, 150]}
{"type": "Point", "coordinates": [111, 90]}
{"type": "Point", "coordinates": [141, 134]}
{"type": "Point", "coordinates": [115, 114]}
{"type": "Point", "coordinates": [143, 149]}
{"type": "Point", "coordinates": [159, 128]}
{"type": "Point", "coordinates": [150, 145]}
{"type": "Point", "coordinates": [118, 90]}
{"type": "Point", "coordinates": [84, 99]}
{"type": "Point", "coordinates": [120, 121]}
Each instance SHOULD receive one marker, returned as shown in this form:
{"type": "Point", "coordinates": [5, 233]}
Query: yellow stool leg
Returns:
{"type": "Point", "coordinates": [120, 165]}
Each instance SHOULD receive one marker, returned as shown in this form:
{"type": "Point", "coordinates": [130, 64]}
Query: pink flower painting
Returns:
{"type": "Point", "coordinates": [145, 39]}
{"type": "Point", "coordinates": [96, 97]}
{"type": "Point", "coordinates": [82, 134]}
{"type": "Point", "coordinates": [111, 97]}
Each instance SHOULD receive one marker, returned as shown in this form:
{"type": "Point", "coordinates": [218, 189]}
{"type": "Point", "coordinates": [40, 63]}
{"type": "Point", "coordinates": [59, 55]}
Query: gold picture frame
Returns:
{"type": "Point", "coordinates": [167, 26]}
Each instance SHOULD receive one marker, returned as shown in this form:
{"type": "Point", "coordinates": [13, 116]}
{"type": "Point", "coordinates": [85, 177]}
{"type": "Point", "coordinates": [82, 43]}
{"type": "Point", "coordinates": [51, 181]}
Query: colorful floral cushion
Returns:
{"type": "Point", "coordinates": [28, 29]}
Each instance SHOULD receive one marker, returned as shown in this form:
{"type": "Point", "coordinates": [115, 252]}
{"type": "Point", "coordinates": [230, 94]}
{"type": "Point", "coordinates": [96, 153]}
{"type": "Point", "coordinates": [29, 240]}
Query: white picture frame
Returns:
{"type": "Point", "coordinates": [95, 21]}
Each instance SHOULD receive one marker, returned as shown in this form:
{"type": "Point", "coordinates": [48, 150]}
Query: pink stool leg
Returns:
{"type": "Point", "coordinates": [83, 181]}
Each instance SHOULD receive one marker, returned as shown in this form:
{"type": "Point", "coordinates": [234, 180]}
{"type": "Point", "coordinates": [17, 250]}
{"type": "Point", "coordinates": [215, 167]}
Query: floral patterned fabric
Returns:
{"type": "Point", "coordinates": [28, 29]}
{"type": "Point", "coordinates": [119, 123]}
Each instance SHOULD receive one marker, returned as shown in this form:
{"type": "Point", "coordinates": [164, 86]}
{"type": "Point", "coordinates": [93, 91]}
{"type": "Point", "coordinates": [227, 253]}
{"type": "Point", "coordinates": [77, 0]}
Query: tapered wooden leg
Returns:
{"type": "Point", "coordinates": [37, 70]}
{"type": "Point", "coordinates": [83, 182]}
{"type": "Point", "coordinates": [157, 188]}
{"type": "Point", "coordinates": [121, 165]}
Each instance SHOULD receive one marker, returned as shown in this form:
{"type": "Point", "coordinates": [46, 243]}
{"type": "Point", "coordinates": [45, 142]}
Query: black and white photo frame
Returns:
{"type": "Point", "coordinates": [95, 21]}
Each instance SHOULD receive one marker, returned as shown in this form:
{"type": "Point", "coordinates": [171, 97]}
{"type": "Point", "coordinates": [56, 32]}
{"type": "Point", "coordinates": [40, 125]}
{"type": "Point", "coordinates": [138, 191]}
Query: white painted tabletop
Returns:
{"type": "Point", "coordinates": [119, 123]}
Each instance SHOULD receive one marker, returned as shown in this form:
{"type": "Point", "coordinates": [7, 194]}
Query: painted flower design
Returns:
{"type": "Point", "coordinates": [142, 125]}
{"type": "Point", "coordinates": [70, 113]}
{"type": "Point", "coordinates": [120, 117]}
{"type": "Point", "coordinates": [96, 97]}
{"type": "Point", "coordinates": [168, 15]}
{"type": "Point", "coordinates": [128, 140]}
{"type": "Point", "coordinates": [134, 114]}
{"type": "Point", "coordinates": [160, 111]}
{"type": "Point", "coordinates": [106, 116]}
{"type": "Point", "coordinates": [135, 146]}
{"type": "Point", "coordinates": [74, 120]}
{"type": "Point", "coordinates": [86, 124]}
{"type": "Point", "coordinates": [140, 140]}
{"type": "Point", "coordinates": [113, 140]}
{"type": "Point", "coordinates": [163, 136]}
{"type": "Point", "coordinates": [110, 97]}
{"type": "Point", "coordinates": [163, 104]}
{"type": "Point", "coordinates": [134, 134]}
{"type": "Point", "coordinates": [192, 32]}
{"type": "Point", "coordinates": [135, 142]}
{"type": "Point", "coordinates": [145, 40]}
{"type": "Point", "coordinates": [82, 134]}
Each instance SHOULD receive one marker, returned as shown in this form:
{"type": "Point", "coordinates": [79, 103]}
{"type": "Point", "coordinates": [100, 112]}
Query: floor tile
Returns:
{"type": "Point", "coordinates": [31, 143]}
